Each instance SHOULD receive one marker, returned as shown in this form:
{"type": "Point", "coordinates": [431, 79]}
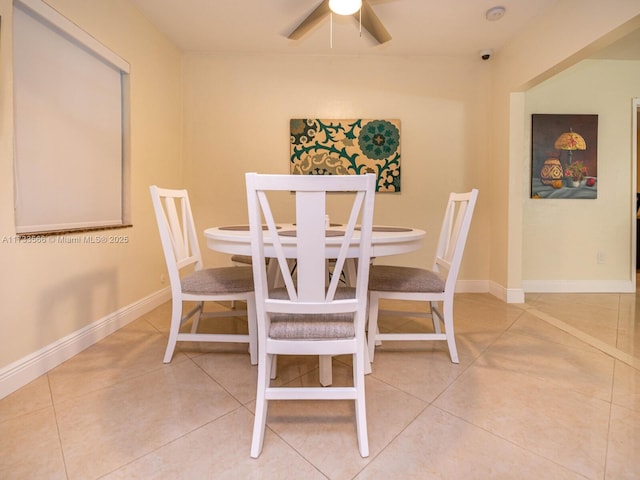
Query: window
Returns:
{"type": "Point", "coordinates": [71, 135]}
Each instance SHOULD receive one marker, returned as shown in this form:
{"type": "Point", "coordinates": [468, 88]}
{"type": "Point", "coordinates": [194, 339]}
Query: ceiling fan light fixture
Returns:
{"type": "Point", "coordinates": [345, 7]}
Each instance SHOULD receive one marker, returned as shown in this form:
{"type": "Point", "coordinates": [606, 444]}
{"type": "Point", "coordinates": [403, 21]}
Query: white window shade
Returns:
{"type": "Point", "coordinates": [70, 156]}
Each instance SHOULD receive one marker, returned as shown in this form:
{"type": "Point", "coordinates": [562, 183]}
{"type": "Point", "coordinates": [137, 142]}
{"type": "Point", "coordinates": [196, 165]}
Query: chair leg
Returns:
{"type": "Point", "coordinates": [447, 312]}
{"type": "Point", "coordinates": [274, 276]}
{"type": "Point", "coordinates": [174, 328]}
{"type": "Point", "coordinates": [326, 372]}
{"type": "Point", "coordinates": [373, 324]}
{"type": "Point", "coordinates": [253, 330]}
{"type": "Point", "coordinates": [260, 420]}
{"type": "Point", "coordinates": [367, 361]}
{"type": "Point", "coordinates": [350, 272]}
{"type": "Point", "coordinates": [435, 318]}
{"type": "Point", "coordinates": [327, 273]}
{"type": "Point", "coordinates": [196, 317]}
{"type": "Point", "coordinates": [360, 404]}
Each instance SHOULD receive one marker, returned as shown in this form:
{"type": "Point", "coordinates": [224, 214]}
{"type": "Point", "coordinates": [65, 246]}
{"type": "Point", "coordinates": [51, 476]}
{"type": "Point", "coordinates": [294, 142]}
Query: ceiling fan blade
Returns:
{"type": "Point", "coordinates": [311, 21]}
{"type": "Point", "coordinates": [372, 23]}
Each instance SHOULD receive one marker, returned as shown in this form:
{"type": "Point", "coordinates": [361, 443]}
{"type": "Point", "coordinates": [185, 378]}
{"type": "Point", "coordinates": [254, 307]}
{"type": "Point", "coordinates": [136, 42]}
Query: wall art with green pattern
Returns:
{"type": "Point", "coordinates": [347, 147]}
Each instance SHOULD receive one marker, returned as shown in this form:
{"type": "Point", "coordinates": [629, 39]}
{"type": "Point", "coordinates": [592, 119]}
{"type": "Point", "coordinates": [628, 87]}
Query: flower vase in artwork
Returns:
{"type": "Point", "coordinates": [575, 173]}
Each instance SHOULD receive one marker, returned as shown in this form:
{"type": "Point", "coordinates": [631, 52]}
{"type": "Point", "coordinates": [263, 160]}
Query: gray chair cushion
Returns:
{"type": "Point", "coordinates": [312, 326]}
{"type": "Point", "coordinates": [219, 280]}
{"type": "Point", "coordinates": [390, 278]}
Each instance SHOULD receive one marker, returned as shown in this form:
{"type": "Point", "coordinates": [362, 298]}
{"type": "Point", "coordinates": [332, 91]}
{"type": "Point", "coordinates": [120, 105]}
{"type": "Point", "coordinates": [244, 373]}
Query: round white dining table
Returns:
{"type": "Point", "coordinates": [385, 240]}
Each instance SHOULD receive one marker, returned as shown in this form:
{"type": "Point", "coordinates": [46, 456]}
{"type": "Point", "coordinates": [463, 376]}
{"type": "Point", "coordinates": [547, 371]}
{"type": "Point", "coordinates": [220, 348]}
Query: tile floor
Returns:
{"type": "Point", "coordinates": [545, 390]}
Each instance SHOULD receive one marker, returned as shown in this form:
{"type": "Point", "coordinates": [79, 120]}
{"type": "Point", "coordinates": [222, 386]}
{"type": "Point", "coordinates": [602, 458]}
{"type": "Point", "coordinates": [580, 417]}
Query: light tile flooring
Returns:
{"type": "Point", "coordinates": [545, 390]}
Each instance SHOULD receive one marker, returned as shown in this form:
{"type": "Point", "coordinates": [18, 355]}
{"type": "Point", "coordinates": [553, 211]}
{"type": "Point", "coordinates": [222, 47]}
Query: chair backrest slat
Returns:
{"type": "Point", "coordinates": [264, 206]}
{"type": "Point", "coordinates": [453, 236]}
{"type": "Point", "coordinates": [309, 248]}
{"type": "Point", "coordinates": [310, 239]}
{"type": "Point", "coordinates": [358, 204]}
{"type": "Point", "coordinates": [177, 230]}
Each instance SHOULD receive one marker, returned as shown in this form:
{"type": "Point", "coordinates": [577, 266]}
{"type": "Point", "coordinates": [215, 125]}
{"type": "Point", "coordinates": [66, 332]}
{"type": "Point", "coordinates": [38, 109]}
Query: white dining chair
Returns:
{"type": "Point", "coordinates": [435, 286]}
{"type": "Point", "coordinates": [306, 316]}
{"type": "Point", "coordinates": [191, 282]}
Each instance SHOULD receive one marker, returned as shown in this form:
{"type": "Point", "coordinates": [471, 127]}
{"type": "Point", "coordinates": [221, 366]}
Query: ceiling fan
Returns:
{"type": "Point", "coordinates": [370, 20]}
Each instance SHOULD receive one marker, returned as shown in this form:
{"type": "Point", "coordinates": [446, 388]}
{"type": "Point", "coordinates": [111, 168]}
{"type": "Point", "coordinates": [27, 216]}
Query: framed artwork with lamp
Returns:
{"type": "Point", "coordinates": [564, 156]}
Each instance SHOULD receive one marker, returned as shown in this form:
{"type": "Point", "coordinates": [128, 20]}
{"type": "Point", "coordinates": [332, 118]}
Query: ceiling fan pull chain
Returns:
{"type": "Point", "coordinates": [360, 11]}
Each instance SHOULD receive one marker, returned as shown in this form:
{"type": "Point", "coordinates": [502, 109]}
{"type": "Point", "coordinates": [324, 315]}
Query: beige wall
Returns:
{"type": "Point", "coordinates": [462, 126]}
{"type": "Point", "coordinates": [562, 238]}
{"type": "Point", "coordinates": [53, 290]}
{"type": "Point", "coordinates": [237, 112]}
{"type": "Point", "coordinates": [547, 46]}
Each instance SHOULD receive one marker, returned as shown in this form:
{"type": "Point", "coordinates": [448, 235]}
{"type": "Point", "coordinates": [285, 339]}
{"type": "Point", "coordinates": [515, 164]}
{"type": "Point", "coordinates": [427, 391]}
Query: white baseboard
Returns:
{"type": "Point", "coordinates": [508, 295]}
{"type": "Point", "coordinates": [578, 286]}
{"type": "Point", "coordinates": [517, 295]}
{"type": "Point", "coordinates": [27, 369]}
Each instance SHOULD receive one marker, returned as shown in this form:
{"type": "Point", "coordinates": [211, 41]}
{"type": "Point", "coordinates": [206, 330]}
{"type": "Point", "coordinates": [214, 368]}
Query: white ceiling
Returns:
{"type": "Point", "coordinates": [417, 27]}
{"type": "Point", "coordinates": [627, 48]}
